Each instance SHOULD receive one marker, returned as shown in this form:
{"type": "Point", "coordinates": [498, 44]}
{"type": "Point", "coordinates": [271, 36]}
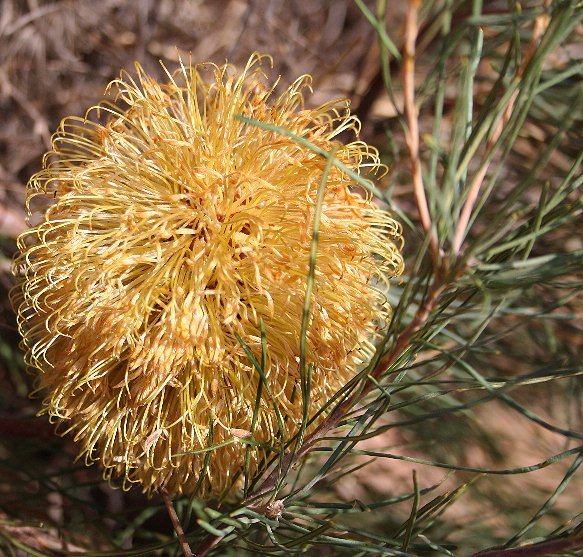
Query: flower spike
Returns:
{"type": "Point", "coordinates": [166, 231]}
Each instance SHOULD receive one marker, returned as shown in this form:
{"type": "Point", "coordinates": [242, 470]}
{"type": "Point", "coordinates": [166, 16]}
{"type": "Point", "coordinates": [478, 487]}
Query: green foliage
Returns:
{"type": "Point", "coordinates": [487, 318]}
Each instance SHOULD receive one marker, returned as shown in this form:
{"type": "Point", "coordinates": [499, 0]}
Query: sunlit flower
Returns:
{"type": "Point", "coordinates": [166, 229]}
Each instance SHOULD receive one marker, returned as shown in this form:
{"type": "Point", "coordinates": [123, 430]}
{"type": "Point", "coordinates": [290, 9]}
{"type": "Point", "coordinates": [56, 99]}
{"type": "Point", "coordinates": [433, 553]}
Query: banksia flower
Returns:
{"type": "Point", "coordinates": [171, 231]}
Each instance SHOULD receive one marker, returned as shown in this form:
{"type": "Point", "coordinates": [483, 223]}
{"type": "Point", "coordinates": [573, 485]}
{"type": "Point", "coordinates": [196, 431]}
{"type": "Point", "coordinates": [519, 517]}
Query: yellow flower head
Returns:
{"type": "Point", "coordinates": [169, 231]}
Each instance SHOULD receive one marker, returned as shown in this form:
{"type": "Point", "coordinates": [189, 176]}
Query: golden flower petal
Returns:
{"type": "Point", "coordinates": [173, 228]}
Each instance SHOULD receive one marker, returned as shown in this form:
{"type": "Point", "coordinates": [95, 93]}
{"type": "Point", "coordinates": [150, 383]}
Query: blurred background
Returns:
{"type": "Point", "coordinates": [56, 59]}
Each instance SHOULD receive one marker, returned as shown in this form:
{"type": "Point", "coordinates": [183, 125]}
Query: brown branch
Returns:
{"type": "Point", "coordinates": [421, 316]}
{"type": "Point", "coordinates": [536, 549]}
{"type": "Point", "coordinates": [540, 25]}
{"type": "Point", "coordinates": [186, 551]}
{"type": "Point", "coordinates": [403, 340]}
{"type": "Point", "coordinates": [36, 540]}
{"type": "Point", "coordinates": [424, 310]}
{"type": "Point", "coordinates": [209, 543]}
{"type": "Point", "coordinates": [412, 117]}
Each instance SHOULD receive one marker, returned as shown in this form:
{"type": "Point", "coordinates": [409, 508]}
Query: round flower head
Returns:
{"type": "Point", "coordinates": [171, 232]}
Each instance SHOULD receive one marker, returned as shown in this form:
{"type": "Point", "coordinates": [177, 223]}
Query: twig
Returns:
{"type": "Point", "coordinates": [340, 411]}
{"type": "Point", "coordinates": [540, 25]}
{"type": "Point", "coordinates": [41, 126]}
{"type": "Point", "coordinates": [412, 118]}
{"type": "Point", "coordinates": [35, 540]}
{"type": "Point", "coordinates": [207, 544]}
{"type": "Point", "coordinates": [536, 549]}
{"type": "Point", "coordinates": [186, 551]}
{"type": "Point", "coordinates": [404, 338]}
{"type": "Point", "coordinates": [424, 310]}
{"type": "Point", "coordinates": [36, 14]}
{"type": "Point", "coordinates": [402, 341]}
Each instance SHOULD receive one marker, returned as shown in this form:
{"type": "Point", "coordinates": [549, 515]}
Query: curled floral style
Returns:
{"type": "Point", "coordinates": [165, 229]}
